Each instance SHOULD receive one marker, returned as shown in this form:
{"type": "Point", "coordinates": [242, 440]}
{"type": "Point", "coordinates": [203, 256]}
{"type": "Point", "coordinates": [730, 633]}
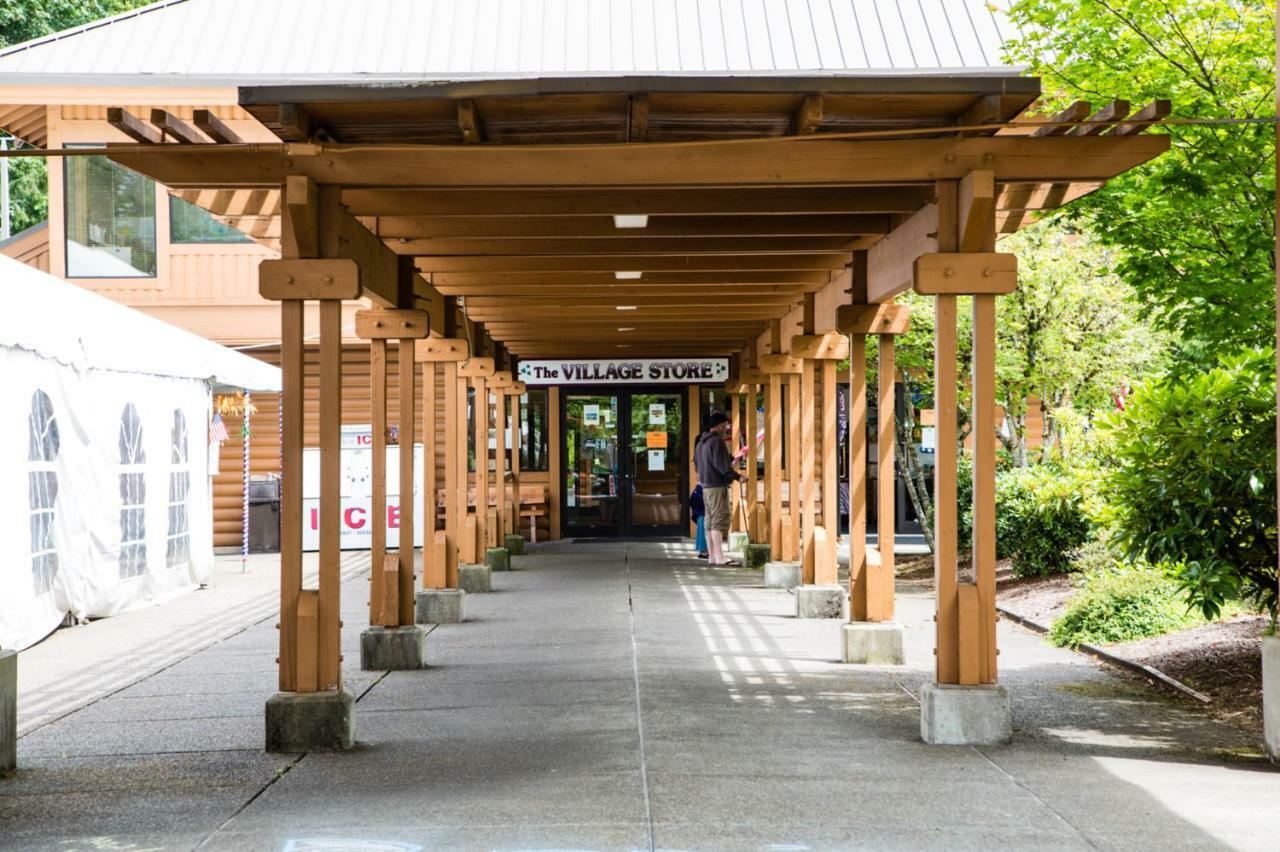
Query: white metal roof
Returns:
{"type": "Point", "coordinates": [246, 42]}
{"type": "Point", "coordinates": [73, 326]}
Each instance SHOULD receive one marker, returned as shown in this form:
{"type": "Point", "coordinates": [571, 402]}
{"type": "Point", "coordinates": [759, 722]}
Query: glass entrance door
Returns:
{"type": "Point", "coordinates": [624, 464]}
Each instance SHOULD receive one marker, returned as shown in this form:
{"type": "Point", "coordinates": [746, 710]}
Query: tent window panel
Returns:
{"type": "Point", "coordinates": [111, 220]}
{"type": "Point", "coordinates": [178, 548]}
{"type": "Point", "coordinates": [42, 488]}
{"type": "Point", "coordinates": [191, 224]}
{"type": "Point", "coordinates": [133, 496]}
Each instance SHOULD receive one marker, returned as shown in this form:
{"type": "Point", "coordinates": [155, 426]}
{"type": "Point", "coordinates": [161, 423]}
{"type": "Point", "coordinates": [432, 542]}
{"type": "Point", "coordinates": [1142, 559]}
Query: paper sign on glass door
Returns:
{"type": "Point", "coordinates": [590, 415]}
{"type": "Point", "coordinates": [657, 414]}
{"type": "Point", "coordinates": [657, 460]}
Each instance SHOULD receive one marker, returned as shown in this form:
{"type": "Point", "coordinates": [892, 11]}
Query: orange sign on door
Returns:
{"type": "Point", "coordinates": [655, 440]}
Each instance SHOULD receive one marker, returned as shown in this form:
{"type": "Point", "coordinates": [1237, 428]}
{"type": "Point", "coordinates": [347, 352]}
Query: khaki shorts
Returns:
{"type": "Point", "coordinates": [717, 502]}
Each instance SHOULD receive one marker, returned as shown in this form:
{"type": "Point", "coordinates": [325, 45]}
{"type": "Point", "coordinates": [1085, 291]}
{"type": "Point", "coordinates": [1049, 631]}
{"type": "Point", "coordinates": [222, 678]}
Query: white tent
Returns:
{"type": "Point", "coordinates": [103, 448]}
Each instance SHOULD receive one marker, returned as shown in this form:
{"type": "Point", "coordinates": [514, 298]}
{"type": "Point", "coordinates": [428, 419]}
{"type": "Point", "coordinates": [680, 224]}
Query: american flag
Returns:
{"type": "Point", "coordinates": [218, 430]}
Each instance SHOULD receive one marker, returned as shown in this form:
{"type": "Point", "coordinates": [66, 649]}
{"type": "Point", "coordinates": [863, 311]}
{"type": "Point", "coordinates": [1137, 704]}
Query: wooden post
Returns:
{"type": "Point", "coordinates": [459, 496]}
{"type": "Point", "coordinates": [517, 447]}
{"type": "Point", "coordinates": [293, 391]}
{"type": "Point", "coordinates": [738, 519]}
{"type": "Point", "coordinates": [881, 592]}
{"type": "Point", "coordinates": [830, 477]}
{"type": "Point", "coordinates": [694, 416]}
{"type": "Point", "coordinates": [434, 568]}
{"type": "Point", "coordinates": [794, 403]}
{"type": "Point", "coordinates": [944, 469]}
{"type": "Point", "coordinates": [378, 485]}
{"type": "Point", "coordinates": [555, 464]}
{"type": "Point", "coordinates": [330, 655]}
{"type": "Point", "coordinates": [754, 530]}
{"type": "Point", "coordinates": [407, 437]}
{"type": "Point", "coordinates": [454, 480]}
{"type": "Point", "coordinates": [808, 459]}
{"type": "Point", "coordinates": [500, 466]}
{"type": "Point", "coordinates": [773, 464]}
{"type": "Point", "coordinates": [858, 576]}
{"type": "Point", "coordinates": [481, 415]}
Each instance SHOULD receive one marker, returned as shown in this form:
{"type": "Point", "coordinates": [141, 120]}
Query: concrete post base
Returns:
{"type": "Point", "coordinates": [755, 556]}
{"type": "Point", "coordinates": [311, 721]}
{"type": "Point", "coordinates": [873, 643]}
{"type": "Point", "coordinates": [781, 575]}
{"type": "Point", "coordinates": [393, 649]}
{"type": "Point", "coordinates": [498, 559]}
{"type": "Point", "coordinates": [737, 541]}
{"type": "Point", "coordinates": [440, 606]}
{"type": "Point", "coordinates": [514, 545]}
{"type": "Point", "coordinates": [819, 602]}
{"type": "Point", "coordinates": [475, 579]}
{"type": "Point", "coordinates": [8, 711]}
{"type": "Point", "coordinates": [1270, 695]}
{"type": "Point", "coordinates": [951, 714]}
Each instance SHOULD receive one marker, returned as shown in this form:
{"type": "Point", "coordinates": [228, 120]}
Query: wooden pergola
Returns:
{"type": "Point", "coordinates": [491, 221]}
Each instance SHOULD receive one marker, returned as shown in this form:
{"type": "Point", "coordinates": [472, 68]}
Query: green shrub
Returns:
{"type": "Point", "coordinates": [1120, 605]}
{"type": "Point", "coordinates": [1040, 518]}
{"type": "Point", "coordinates": [1193, 480]}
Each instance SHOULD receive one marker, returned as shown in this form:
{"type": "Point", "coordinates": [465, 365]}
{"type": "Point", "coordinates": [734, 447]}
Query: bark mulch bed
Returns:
{"type": "Point", "coordinates": [1223, 660]}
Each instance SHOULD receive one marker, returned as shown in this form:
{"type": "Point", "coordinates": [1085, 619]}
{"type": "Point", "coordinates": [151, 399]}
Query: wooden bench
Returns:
{"type": "Point", "coordinates": [533, 505]}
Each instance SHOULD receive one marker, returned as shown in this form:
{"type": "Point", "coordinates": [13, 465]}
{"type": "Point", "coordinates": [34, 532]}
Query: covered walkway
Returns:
{"type": "Point", "coordinates": [622, 695]}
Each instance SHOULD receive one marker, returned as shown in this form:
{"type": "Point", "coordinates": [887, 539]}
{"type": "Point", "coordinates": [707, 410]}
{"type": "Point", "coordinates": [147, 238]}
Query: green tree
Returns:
{"type": "Point", "coordinates": [23, 20]}
{"type": "Point", "coordinates": [1198, 223]}
{"type": "Point", "coordinates": [1192, 481]}
{"type": "Point", "coordinates": [1070, 335]}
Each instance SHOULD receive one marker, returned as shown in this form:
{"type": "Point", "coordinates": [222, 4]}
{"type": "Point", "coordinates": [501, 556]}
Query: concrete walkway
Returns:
{"type": "Point", "coordinates": [625, 696]}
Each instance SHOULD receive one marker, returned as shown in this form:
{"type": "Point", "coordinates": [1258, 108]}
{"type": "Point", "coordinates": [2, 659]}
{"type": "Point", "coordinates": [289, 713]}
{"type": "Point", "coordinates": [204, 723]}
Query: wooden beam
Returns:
{"type": "Point", "coordinates": [1065, 118]}
{"type": "Point", "coordinates": [885, 318]}
{"type": "Point", "coordinates": [517, 228]}
{"type": "Point", "coordinates": [985, 109]}
{"type": "Point", "coordinates": [214, 128]}
{"type": "Point", "coordinates": [292, 423]}
{"type": "Point", "coordinates": [977, 204]}
{"type": "Point", "coordinates": [330, 416]}
{"type": "Point", "coordinates": [137, 130]}
{"type": "Point", "coordinates": [808, 116]}
{"type": "Point", "coordinates": [808, 464]}
{"type": "Point", "coordinates": [639, 263]}
{"type": "Point", "coordinates": [301, 210]}
{"type": "Point", "coordinates": [832, 346]}
{"type": "Point", "coordinates": [638, 118]}
{"type": "Point", "coordinates": [858, 477]}
{"type": "Point", "coordinates": [630, 245]}
{"type": "Point", "coordinates": [392, 324]}
{"type": "Point", "coordinates": [294, 122]}
{"type": "Point", "coordinates": [309, 278]}
{"type": "Point", "coordinates": [880, 577]}
{"type": "Point", "coordinates": [1141, 119]}
{"type": "Point", "coordinates": [434, 559]}
{"type": "Point", "coordinates": [604, 281]}
{"type": "Point", "coordinates": [378, 482]}
{"type": "Point", "coordinates": [448, 202]}
{"type": "Point", "coordinates": [469, 123]}
{"type": "Point", "coordinates": [891, 262]}
{"type": "Point", "coordinates": [715, 164]}
{"type": "Point", "coordinates": [825, 571]}
{"type": "Point", "coordinates": [1101, 120]}
{"type": "Point", "coordinates": [965, 274]}
{"type": "Point", "coordinates": [407, 438]}
{"type": "Point", "coordinates": [170, 125]}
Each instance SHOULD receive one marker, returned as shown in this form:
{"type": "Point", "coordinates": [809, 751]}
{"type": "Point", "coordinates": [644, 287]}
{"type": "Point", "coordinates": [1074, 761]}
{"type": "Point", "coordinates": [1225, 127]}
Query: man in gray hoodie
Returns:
{"type": "Point", "coordinates": [716, 474]}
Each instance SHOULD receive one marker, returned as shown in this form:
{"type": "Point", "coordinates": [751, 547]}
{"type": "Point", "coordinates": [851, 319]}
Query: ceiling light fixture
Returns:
{"type": "Point", "coordinates": [624, 307]}
{"type": "Point", "coordinates": [626, 276]}
{"type": "Point", "coordinates": [626, 328]}
{"type": "Point", "coordinates": [622, 220]}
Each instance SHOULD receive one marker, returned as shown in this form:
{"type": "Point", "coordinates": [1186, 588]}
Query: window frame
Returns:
{"type": "Point", "coordinates": [245, 239]}
{"type": "Point", "coordinates": [157, 191]}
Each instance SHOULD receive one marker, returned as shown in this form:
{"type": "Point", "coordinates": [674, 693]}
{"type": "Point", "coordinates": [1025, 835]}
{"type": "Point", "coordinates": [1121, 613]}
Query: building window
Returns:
{"type": "Point", "coordinates": [133, 495]}
{"type": "Point", "coordinates": [111, 220]}
{"type": "Point", "coordinates": [533, 434]}
{"type": "Point", "coordinates": [178, 550]}
{"type": "Point", "coordinates": [42, 487]}
{"type": "Point", "coordinates": [191, 224]}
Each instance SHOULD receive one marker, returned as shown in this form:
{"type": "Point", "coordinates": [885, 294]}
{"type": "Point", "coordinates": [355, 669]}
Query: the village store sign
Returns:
{"type": "Point", "coordinates": [612, 371]}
